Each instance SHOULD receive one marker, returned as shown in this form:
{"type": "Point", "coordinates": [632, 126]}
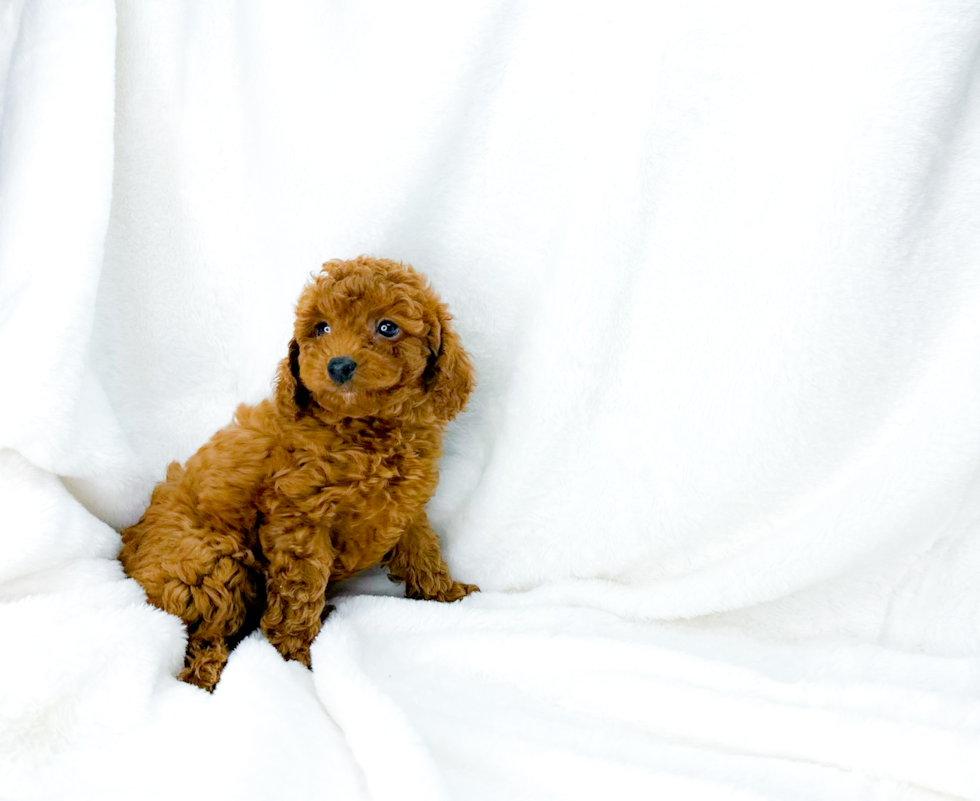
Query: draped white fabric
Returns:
{"type": "Point", "coordinates": [718, 266]}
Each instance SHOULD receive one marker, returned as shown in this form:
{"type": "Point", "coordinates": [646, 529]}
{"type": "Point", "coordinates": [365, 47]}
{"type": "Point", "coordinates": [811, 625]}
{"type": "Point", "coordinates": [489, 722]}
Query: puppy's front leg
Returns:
{"type": "Point", "coordinates": [417, 561]}
{"type": "Point", "coordinates": [299, 561]}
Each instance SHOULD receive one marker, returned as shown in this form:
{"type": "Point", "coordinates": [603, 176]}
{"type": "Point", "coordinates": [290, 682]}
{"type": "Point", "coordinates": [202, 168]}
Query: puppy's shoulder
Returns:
{"type": "Point", "coordinates": [261, 416]}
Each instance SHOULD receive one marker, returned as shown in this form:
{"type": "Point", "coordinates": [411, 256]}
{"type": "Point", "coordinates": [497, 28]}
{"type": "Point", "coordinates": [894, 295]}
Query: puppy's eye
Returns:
{"type": "Point", "coordinates": [320, 329]}
{"type": "Point", "coordinates": [388, 329]}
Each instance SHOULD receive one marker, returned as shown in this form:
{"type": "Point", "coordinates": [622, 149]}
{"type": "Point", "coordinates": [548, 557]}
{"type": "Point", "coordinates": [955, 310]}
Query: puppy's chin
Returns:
{"type": "Point", "coordinates": [346, 401]}
{"type": "Point", "coordinates": [357, 389]}
{"type": "Point", "coordinates": [332, 396]}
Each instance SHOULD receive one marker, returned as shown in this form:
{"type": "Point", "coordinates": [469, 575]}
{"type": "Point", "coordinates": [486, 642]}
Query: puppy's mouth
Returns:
{"type": "Point", "coordinates": [348, 380]}
{"type": "Point", "coordinates": [346, 391]}
{"type": "Point", "coordinates": [354, 390]}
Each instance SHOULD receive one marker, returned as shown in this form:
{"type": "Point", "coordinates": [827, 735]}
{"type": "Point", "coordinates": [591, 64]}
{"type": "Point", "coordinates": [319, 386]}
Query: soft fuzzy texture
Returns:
{"type": "Point", "coordinates": [719, 482]}
{"type": "Point", "coordinates": [325, 479]}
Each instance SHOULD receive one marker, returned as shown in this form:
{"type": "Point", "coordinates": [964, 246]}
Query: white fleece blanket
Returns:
{"type": "Point", "coordinates": [718, 265]}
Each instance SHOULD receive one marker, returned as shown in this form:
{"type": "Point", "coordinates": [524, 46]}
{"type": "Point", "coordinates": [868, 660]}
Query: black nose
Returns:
{"type": "Point", "coordinates": [341, 369]}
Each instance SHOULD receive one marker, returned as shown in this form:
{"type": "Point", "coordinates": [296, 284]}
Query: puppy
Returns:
{"type": "Point", "coordinates": [327, 477]}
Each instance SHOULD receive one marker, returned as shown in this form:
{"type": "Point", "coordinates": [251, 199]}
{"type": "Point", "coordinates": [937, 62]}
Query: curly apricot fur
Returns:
{"type": "Point", "coordinates": [317, 483]}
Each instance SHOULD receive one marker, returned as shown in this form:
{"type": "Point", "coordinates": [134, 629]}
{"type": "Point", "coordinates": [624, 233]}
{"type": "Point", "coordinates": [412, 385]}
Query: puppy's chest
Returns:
{"type": "Point", "coordinates": [357, 474]}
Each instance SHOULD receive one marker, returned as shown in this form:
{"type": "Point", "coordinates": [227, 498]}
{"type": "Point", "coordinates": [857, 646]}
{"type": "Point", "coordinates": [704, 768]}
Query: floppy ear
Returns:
{"type": "Point", "coordinates": [449, 376]}
{"type": "Point", "coordinates": [291, 392]}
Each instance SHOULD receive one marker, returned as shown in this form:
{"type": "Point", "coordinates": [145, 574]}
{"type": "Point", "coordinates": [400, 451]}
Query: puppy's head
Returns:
{"type": "Point", "coordinates": [373, 340]}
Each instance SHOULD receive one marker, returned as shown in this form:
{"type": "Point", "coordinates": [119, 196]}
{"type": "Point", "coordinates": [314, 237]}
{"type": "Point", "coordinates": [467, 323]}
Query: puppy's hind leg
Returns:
{"type": "Point", "coordinates": [214, 607]}
{"type": "Point", "coordinates": [204, 661]}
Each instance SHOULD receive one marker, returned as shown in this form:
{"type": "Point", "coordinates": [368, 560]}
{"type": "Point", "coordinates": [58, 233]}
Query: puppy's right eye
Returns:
{"type": "Point", "coordinates": [321, 328]}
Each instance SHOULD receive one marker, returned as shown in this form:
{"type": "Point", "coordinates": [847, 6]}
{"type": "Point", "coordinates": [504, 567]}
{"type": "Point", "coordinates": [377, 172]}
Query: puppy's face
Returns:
{"type": "Point", "coordinates": [370, 338]}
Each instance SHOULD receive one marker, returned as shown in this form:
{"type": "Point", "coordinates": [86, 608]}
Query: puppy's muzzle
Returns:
{"type": "Point", "coordinates": [341, 369]}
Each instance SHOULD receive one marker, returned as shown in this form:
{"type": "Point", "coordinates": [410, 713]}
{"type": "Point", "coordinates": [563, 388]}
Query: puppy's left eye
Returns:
{"type": "Point", "coordinates": [388, 329]}
{"type": "Point", "coordinates": [321, 328]}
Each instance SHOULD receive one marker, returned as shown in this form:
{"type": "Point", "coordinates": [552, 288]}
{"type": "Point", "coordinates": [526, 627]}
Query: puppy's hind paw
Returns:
{"type": "Point", "coordinates": [203, 663]}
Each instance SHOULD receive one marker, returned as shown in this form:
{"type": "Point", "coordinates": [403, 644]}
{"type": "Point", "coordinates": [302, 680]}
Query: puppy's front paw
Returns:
{"type": "Point", "coordinates": [445, 592]}
{"type": "Point", "coordinates": [290, 647]}
{"type": "Point", "coordinates": [301, 655]}
{"type": "Point", "coordinates": [458, 590]}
